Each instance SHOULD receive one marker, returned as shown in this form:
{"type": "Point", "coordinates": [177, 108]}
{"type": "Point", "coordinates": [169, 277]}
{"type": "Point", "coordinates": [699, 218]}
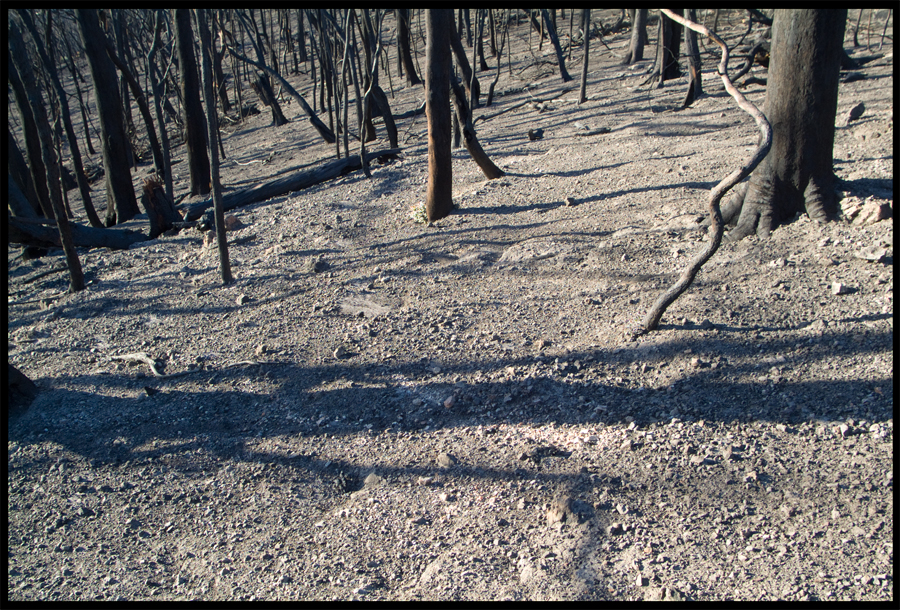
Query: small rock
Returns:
{"type": "Point", "coordinates": [844, 429]}
{"type": "Point", "coordinates": [839, 288]}
{"type": "Point", "coordinates": [535, 134]}
{"type": "Point", "coordinates": [449, 402]}
{"type": "Point", "coordinates": [372, 479]}
{"type": "Point", "coordinates": [872, 253]}
{"type": "Point", "coordinates": [641, 581]}
{"type": "Point", "coordinates": [232, 222]}
{"type": "Point", "coordinates": [570, 202]}
{"type": "Point", "coordinates": [615, 529]}
{"type": "Point", "coordinates": [340, 352]}
{"type": "Point", "coordinates": [424, 480]}
{"type": "Point", "coordinates": [242, 299]}
{"type": "Point", "coordinates": [872, 212]}
{"type": "Point", "coordinates": [445, 460]}
{"type": "Point", "coordinates": [559, 510]}
{"type": "Point", "coordinates": [260, 349]}
{"type": "Point", "coordinates": [856, 112]}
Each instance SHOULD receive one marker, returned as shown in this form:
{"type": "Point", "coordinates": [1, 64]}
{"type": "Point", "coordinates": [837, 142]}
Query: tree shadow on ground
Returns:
{"type": "Point", "coordinates": [341, 398]}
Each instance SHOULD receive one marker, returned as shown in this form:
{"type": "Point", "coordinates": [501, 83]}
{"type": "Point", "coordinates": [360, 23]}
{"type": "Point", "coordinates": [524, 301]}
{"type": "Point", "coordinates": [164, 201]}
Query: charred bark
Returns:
{"type": "Point", "coordinates": [472, 145]}
{"type": "Point", "coordinates": [195, 137]}
{"type": "Point", "coordinates": [402, 16]}
{"type": "Point", "coordinates": [638, 38]}
{"type": "Point", "coordinates": [439, 31]}
{"type": "Point", "coordinates": [801, 105]}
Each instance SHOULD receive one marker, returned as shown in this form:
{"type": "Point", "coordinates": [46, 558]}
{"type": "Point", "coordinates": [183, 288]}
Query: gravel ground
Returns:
{"type": "Point", "coordinates": [382, 410]}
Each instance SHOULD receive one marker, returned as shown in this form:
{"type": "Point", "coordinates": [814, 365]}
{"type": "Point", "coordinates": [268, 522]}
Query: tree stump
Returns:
{"type": "Point", "coordinates": [160, 209]}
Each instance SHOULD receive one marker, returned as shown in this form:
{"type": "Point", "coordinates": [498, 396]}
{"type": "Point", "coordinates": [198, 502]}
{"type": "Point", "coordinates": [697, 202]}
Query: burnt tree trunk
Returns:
{"type": "Point", "coordinates": [695, 86]}
{"type": "Point", "coordinates": [638, 37]}
{"type": "Point", "coordinates": [585, 18]}
{"type": "Point", "coordinates": [160, 209]}
{"type": "Point", "coordinates": [37, 233]}
{"type": "Point", "coordinates": [668, 48]}
{"type": "Point", "coordinates": [439, 194]}
{"type": "Point", "coordinates": [402, 16]}
{"type": "Point", "coordinates": [554, 39]}
{"type": "Point", "coordinates": [20, 68]}
{"type": "Point", "coordinates": [121, 203]}
{"type": "Point", "coordinates": [263, 89]}
{"type": "Point", "coordinates": [473, 88]}
{"type": "Point", "coordinates": [464, 115]}
{"type": "Point", "coordinates": [62, 99]}
{"type": "Point", "coordinates": [206, 53]}
{"type": "Point", "coordinates": [801, 104]}
{"type": "Point", "coordinates": [195, 136]}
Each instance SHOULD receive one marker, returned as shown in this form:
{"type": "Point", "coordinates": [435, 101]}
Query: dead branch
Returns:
{"type": "Point", "coordinates": [651, 320]}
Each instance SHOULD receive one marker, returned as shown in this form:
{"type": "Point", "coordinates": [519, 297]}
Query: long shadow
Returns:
{"type": "Point", "coordinates": [583, 387]}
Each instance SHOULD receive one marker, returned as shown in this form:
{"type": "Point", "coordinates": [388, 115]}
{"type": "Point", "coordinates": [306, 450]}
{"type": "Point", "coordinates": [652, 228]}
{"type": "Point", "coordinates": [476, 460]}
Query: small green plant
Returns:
{"type": "Point", "coordinates": [417, 213]}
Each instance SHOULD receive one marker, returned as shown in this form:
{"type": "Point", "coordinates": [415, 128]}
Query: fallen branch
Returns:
{"type": "Point", "coordinates": [143, 357]}
{"type": "Point", "coordinates": [286, 184]}
{"type": "Point", "coordinates": [651, 320]}
{"type": "Point", "coordinates": [38, 234]}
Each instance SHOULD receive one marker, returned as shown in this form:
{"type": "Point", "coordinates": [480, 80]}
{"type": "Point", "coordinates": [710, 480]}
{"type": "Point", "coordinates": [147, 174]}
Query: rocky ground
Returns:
{"type": "Point", "coordinates": [381, 409]}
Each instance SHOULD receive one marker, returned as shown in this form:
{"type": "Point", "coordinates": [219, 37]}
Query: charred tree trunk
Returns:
{"type": "Point", "coordinates": [464, 115]}
{"type": "Point", "coordinates": [638, 38]}
{"type": "Point", "coordinates": [159, 207]}
{"type": "Point", "coordinates": [473, 88]}
{"type": "Point", "coordinates": [439, 195]}
{"type": "Point", "coordinates": [157, 102]}
{"type": "Point", "coordinates": [62, 99]}
{"type": "Point", "coordinates": [668, 48]}
{"type": "Point", "coordinates": [695, 85]}
{"type": "Point", "coordinates": [20, 69]}
{"type": "Point", "coordinates": [801, 105]}
{"type": "Point", "coordinates": [121, 203]}
{"type": "Point", "coordinates": [19, 173]}
{"type": "Point", "coordinates": [195, 138]}
{"type": "Point", "coordinates": [206, 53]}
{"type": "Point", "coordinates": [551, 29]}
{"type": "Point", "coordinates": [585, 18]}
{"type": "Point", "coordinates": [402, 16]}
{"type": "Point", "coordinates": [263, 89]}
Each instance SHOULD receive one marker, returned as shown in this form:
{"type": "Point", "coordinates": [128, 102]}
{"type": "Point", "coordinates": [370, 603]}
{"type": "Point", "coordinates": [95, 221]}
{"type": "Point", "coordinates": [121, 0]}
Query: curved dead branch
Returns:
{"type": "Point", "coordinates": [651, 320]}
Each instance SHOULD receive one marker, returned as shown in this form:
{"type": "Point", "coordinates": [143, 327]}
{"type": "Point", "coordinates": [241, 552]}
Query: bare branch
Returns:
{"type": "Point", "coordinates": [651, 320]}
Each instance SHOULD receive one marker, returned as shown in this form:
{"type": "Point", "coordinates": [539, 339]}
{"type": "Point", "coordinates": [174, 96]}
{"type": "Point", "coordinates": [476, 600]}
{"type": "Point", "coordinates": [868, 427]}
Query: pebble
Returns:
{"type": "Point", "coordinates": [445, 460]}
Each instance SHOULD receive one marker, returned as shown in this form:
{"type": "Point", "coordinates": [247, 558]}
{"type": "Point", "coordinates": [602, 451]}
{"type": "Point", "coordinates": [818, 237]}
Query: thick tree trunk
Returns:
{"type": "Point", "coordinates": [638, 38]}
{"type": "Point", "coordinates": [439, 194]}
{"type": "Point", "coordinates": [668, 48]}
{"type": "Point", "coordinates": [159, 208]}
{"type": "Point", "coordinates": [195, 137]}
{"type": "Point", "coordinates": [83, 187]}
{"type": "Point", "coordinates": [20, 68]}
{"type": "Point", "coordinates": [263, 89]}
{"type": "Point", "coordinates": [801, 104]}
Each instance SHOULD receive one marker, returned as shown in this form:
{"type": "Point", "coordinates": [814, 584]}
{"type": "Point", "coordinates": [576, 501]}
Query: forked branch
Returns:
{"type": "Point", "coordinates": [651, 320]}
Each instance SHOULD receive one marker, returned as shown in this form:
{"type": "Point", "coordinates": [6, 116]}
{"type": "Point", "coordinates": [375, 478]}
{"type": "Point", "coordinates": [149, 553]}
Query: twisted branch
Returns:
{"type": "Point", "coordinates": [651, 320]}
